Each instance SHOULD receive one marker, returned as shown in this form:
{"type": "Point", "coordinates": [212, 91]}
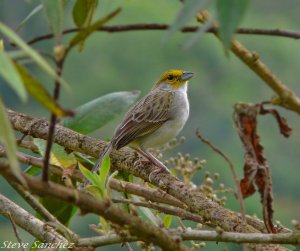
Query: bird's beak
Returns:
{"type": "Point", "coordinates": [187, 75]}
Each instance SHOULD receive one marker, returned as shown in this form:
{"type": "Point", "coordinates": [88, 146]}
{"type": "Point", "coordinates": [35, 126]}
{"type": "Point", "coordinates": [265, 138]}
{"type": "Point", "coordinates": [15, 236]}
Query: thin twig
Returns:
{"type": "Point", "coordinates": [127, 245]}
{"type": "Point", "coordinates": [59, 69]}
{"type": "Point", "coordinates": [20, 140]}
{"type": "Point", "coordinates": [15, 230]}
{"type": "Point", "coordinates": [159, 27]}
{"type": "Point", "coordinates": [167, 210]}
{"type": "Point", "coordinates": [232, 169]}
{"type": "Point", "coordinates": [28, 144]}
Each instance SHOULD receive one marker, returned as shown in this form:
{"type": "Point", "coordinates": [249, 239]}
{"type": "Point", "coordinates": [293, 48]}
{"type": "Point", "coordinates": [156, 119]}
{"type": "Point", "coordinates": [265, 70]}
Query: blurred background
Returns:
{"type": "Point", "coordinates": [134, 61]}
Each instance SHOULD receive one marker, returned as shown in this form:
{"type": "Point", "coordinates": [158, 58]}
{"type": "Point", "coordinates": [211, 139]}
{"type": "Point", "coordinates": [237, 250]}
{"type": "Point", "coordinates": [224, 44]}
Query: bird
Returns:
{"type": "Point", "coordinates": [155, 119]}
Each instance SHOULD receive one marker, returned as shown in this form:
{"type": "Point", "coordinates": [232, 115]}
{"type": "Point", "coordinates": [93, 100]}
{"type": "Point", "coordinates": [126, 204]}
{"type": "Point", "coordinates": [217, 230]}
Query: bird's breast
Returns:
{"type": "Point", "coordinates": [178, 116]}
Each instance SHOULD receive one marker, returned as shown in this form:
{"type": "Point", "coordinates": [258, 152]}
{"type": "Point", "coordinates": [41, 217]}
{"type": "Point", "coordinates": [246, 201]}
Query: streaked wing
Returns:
{"type": "Point", "coordinates": [144, 118]}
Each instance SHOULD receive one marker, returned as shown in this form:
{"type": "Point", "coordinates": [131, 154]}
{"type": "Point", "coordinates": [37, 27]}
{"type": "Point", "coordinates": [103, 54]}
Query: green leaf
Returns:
{"type": "Point", "coordinates": [188, 11]}
{"type": "Point", "coordinates": [11, 75]}
{"type": "Point", "coordinates": [58, 155]}
{"type": "Point", "coordinates": [39, 60]}
{"type": "Point", "coordinates": [39, 93]}
{"type": "Point", "coordinates": [98, 112]}
{"type": "Point", "coordinates": [91, 177]}
{"type": "Point", "coordinates": [147, 212]}
{"type": "Point", "coordinates": [62, 211]}
{"type": "Point", "coordinates": [167, 220]}
{"type": "Point", "coordinates": [30, 15]}
{"type": "Point", "coordinates": [83, 12]}
{"type": "Point", "coordinates": [104, 171]}
{"type": "Point", "coordinates": [7, 138]}
{"type": "Point", "coordinates": [230, 14]}
{"type": "Point", "coordinates": [97, 180]}
{"type": "Point", "coordinates": [32, 170]}
{"type": "Point", "coordinates": [55, 14]}
{"type": "Point", "coordinates": [83, 34]}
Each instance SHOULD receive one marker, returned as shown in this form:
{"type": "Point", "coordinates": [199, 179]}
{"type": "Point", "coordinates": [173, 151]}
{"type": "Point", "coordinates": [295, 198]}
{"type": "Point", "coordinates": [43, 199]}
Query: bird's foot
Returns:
{"type": "Point", "coordinates": [161, 169]}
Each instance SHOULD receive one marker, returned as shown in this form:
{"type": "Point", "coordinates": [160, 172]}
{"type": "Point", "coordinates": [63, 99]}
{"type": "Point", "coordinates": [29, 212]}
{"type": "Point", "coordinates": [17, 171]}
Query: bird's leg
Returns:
{"type": "Point", "coordinates": [142, 159]}
{"type": "Point", "coordinates": [153, 160]}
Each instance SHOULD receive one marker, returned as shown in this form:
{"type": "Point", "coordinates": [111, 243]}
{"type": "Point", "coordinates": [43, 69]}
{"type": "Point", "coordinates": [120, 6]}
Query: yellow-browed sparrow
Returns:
{"type": "Point", "coordinates": [155, 119]}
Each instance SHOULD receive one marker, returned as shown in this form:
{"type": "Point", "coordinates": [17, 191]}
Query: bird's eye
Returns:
{"type": "Point", "coordinates": [170, 77]}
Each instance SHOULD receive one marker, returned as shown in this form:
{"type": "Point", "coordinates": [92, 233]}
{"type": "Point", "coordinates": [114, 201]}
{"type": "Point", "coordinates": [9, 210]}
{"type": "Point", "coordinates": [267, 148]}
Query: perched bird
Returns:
{"type": "Point", "coordinates": [155, 119]}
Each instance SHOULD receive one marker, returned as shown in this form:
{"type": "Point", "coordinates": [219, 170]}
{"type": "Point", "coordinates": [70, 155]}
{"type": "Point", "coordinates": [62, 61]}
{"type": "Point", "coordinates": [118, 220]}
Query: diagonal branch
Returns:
{"type": "Point", "coordinates": [286, 97]}
{"type": "Point", "coordinates": [127, 160]}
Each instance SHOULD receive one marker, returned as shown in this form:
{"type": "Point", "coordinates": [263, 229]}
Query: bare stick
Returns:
{"type": "Point", "coordinates": [59, 68]}
{"type": "Point", "coordinates": [232, 169]}
{"type": "Point", "coordinates": [201, 235]}
{"type": "Point", "coordinates": [167, 210]}
{"type": "Point", "coordinates": [160, 27]}
{"type": "Point", "coordinates": [15, 229]}
{"type": "Point", "coordinates": [127, 245]}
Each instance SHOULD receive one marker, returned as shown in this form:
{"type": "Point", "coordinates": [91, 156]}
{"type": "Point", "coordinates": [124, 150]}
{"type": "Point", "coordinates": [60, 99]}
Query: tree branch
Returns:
{"type": "Point", "coordinates": [155, 195]}
{"type": "Point", "coordinates": [28, 222]}
{"type": "Point", "coordinates": [128, 160]}
{"type": "Point", "coordinates": [159, 27]}
{"type": "Point", "coordinates": [167, 210]}
{"type": "Point", "coordinates": [150, 194]}
{"type": "Point", "coordinates": [286, 97]}
{"type": "Point", "coordinates": [201, 235]}
{"type": "Point", "coordinates": [40, 209]}
{"type": "Point", "coordinates": [232, 169]}
{"type": "Point", "coordinates": [15, 230]}
{"type": "Point", "coordinates": [53, 118]}
{"type": "Point", "coordinates": [204, 235]}
{"type": "Point", "coordinates": [145, 231]}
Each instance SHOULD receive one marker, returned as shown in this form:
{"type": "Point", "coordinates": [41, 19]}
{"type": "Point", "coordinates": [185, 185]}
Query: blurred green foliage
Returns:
{"type": "Point", "coordinates": [134, 60]}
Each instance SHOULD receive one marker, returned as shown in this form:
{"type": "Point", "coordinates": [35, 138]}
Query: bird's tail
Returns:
{"type": "Point", "coordinates": [106, 152]}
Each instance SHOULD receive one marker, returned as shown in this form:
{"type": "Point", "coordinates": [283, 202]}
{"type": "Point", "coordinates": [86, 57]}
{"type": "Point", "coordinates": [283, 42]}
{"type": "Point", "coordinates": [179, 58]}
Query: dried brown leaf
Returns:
{"type": "Point", "coordinates": [256, 168]}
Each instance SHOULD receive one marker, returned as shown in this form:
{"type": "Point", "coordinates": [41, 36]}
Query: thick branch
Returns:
{"type": "Point", "coordinates": [159, 27]}
{"type": "Point", "coordinates": [127, 160]}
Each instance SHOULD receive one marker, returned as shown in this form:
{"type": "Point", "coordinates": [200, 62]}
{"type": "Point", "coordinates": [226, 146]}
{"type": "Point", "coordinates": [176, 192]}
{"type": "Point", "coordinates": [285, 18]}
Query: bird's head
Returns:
{"type": "Point", "coordinates": [173, 79]}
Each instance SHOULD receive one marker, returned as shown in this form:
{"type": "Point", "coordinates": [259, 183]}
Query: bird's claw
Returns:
{"type": "Point", "coordinates": [160, 169]}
